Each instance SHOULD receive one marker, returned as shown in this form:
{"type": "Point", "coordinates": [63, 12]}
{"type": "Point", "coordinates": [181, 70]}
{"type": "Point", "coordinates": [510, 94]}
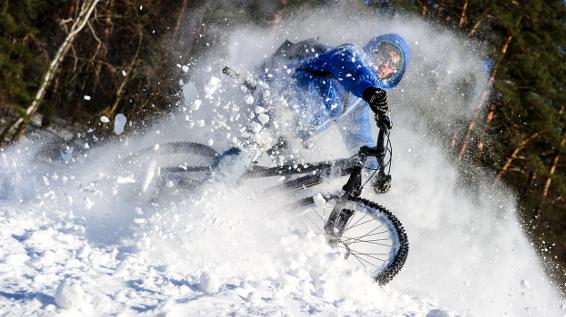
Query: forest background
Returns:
{"type": "Point", "coordinates": [54, 53]}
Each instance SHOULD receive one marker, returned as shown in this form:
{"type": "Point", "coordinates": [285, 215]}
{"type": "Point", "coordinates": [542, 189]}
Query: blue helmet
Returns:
{"type": "Point", "coordinates": [389, 51]}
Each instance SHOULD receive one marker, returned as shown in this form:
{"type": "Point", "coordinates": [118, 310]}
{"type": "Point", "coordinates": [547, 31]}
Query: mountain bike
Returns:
{"type": "Point", "coordinates": [366, 232]}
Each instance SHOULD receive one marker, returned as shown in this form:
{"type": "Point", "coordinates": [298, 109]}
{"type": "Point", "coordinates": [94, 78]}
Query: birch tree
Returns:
{"type": "Point", "coordinates": [87, 8]}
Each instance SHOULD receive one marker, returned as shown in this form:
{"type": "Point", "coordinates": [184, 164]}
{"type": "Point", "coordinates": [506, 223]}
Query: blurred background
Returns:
{"type": "Point", "coordinates": [64, 64]}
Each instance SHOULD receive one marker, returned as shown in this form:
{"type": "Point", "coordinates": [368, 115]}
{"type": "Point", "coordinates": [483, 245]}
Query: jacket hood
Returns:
{"type": "Point", "coordinates": [399, 42]}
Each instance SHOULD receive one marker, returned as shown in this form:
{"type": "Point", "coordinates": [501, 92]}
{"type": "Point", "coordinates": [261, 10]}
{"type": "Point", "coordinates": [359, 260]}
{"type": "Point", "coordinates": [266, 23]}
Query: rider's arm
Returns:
{"type": "Point", "coordinates": [346, 64]}
{"type": "Point", "coordinates": [356, 131]}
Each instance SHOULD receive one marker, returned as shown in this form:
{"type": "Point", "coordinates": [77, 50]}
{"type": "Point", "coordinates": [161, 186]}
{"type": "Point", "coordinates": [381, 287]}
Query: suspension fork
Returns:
{"type": "Point", "coordinates": [338, 219]}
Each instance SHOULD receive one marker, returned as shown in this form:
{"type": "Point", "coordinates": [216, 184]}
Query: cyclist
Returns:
{"type": "Point", "coordinates": [321, 79]}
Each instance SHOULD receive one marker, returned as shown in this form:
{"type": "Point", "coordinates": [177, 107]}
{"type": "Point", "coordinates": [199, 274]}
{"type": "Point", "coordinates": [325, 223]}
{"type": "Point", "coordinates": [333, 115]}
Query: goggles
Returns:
{"type": "Point", "coordinates": [388, 54]}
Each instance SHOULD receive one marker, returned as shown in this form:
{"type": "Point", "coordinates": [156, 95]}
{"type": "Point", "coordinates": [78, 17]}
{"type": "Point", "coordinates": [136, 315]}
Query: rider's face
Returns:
{"type": "Point", "coordinates": [387, 64]}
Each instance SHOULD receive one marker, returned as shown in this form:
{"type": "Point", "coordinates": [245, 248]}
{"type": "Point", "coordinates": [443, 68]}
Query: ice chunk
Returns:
{"type": "Point", "coordinates": [86, 97]}
{"type": "Point", "coordinates": [259, 109]}
{"type": "Point", "coordinates": [263, 118]}
{"type": "Point", "coordinates": [150, 174]}
{"type": "Point", "coordinates": [104, 119]}
{"type": "Point", "coordinates": [256, 127]}
{"type": "Point", "coordinates": [69, 294]}
{"type": "Point", "coordinates": [88, 203]}
{"type": "Point", "coordinates": [196, 105]}
{"type": "Point", "coordinates": [212, 86]}
{"type": "Point", "coordinates": [119, 123]}
{"type": "Point", "coordinates": [525, 284]}
{"type": "Point", "coordinates": [125, 180]}
{"type": "Point", "coordinates": [209, 283]}
{"type": "Point", "coordinates": [249, 99]}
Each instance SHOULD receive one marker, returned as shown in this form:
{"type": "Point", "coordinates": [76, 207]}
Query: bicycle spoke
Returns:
{"type": "Point", "coordinates": [365, 215]}
{"type": "Point", "coordinates": [355, 254]}
{"type": "Point", "coordinates": [369, 234]}
{"type": "Point", "coordinates": [371, 219]}
{"type": "Point", "coordinates": [363, 241]}
{"type": "Point", "coordinates": [314, 223]}
{"type": "Point", "coordinates": [319, 216]}
{"type": "Point", "coordinates": [367, 254]}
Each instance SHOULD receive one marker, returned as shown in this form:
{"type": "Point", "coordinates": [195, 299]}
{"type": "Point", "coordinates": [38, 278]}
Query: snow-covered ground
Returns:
{"type": "Point", "coordinates": [74, 243]}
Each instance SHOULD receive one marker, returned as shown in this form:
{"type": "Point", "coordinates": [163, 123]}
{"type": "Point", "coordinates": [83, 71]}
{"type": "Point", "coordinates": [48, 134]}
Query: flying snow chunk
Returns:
{"type": "Point", "coordinates": [104, 119]}
{"type": "Point", "coordinates": [69, 294]}
{"type": "Point", "coordinates": [124, 73]}
{"type": "Point", "coordinates": [88, 204]}
{"type": "Point", "coordinates": [125, 180]}
{"type": "Point", "coordinates": [119, 123]}
{"type": "Point", "coordinates": [263, 118]}
{"type": "Point", "coordinates": [209, 283]}
{"type": "Point", "coordinates": [259, 109]}
{"type": "Point", "coordinates": [256, 127]}
{"type": "Point", "coordinates": [249, 99]}
{"type": "Point", "coordinates": [200, 123]}
{"type": "Point", "coordinates": [210, 142]}
{"type": "Point", "coordinates": [86, 97]}
{"type": "Point", "coordinates": [185, 68]}
{"type": "Point", "coordinates": [196, 105]}
{"type": "Point", "coordinates": [212, 86]}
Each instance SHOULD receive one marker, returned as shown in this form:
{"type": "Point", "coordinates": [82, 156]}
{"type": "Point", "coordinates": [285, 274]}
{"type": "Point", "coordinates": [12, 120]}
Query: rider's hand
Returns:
{"type": "Point", "coordinates": [377, 99]}
{"type": "Point", "coordinates": [383, 121]}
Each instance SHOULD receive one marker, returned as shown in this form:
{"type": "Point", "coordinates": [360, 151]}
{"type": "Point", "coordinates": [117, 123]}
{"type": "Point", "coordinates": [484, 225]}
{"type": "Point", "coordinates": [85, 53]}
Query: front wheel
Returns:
{"type": "Point", "coordinates": [368, 235]}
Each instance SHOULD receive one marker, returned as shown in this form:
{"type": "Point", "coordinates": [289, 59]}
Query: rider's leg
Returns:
{"type": "Point", "coordinates": [233, 164]}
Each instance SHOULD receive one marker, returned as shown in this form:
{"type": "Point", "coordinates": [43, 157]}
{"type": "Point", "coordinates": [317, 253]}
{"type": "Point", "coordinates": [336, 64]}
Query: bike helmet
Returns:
{"type": "Point", "coordinates": [388, 54]}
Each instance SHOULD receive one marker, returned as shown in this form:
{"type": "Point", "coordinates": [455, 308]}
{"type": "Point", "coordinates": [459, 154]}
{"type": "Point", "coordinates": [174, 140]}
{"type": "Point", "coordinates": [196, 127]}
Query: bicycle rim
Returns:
{"type": "Point", "coordinates": [373, 238]}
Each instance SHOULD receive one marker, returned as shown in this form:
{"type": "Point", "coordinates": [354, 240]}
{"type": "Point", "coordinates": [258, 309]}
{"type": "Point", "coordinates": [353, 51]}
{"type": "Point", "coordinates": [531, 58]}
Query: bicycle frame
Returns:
{"type": "Point", "coordinates": [318, 171]}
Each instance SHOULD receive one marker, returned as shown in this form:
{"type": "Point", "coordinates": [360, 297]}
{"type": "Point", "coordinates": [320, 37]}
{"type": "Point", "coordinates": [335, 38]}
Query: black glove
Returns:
{"type": "Point", "coordinates": [377, 99]}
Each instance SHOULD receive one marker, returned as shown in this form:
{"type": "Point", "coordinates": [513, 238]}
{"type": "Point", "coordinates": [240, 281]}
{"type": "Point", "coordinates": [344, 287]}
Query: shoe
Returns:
{"type": "Point", "coordinates": [231, 165]}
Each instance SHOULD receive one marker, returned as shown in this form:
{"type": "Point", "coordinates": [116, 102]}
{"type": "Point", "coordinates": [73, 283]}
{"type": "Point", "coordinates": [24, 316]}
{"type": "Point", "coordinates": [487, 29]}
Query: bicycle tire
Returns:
{"type": "Point", "coordinates": [178, 159]}
{"type": "Point", "coordinates": [382, 218]}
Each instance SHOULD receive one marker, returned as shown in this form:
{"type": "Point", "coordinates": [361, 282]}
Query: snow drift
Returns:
{"type": "Point", "coordinates": [74, 242]}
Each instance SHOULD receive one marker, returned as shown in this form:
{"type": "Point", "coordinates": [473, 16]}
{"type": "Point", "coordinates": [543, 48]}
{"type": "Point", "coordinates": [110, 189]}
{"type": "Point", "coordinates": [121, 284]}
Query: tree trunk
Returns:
{"type": "Point", "coordinates": [514, 154]}
{"type": "Point", "coordinates": [483, 98]}
{"type": "Point", "coordinates": [552, 170]}
{"type": "Point", "coordinates": [106, 34]}
{"type": "Point", "coordinates": [86, 10]}
{"type": "Point", "coordinates": [463, 14]}
{"type": "Point", "coordinates": [278, 17]}
{"type": "Point", "coordinates": [180, 18]}
{"type": "Point", "coordinates": [424, 8]}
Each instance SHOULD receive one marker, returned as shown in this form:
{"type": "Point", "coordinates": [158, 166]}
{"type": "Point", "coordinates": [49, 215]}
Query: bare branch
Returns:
{"type": "Point", "coordinates": [514, 154]}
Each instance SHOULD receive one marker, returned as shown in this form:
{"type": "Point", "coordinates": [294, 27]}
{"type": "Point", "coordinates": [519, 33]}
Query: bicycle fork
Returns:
{"type": "Point", "coordinates": [338, 219]}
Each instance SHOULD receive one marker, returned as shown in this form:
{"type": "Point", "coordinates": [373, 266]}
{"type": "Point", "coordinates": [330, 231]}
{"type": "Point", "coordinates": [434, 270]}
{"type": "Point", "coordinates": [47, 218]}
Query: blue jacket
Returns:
{"type": "Point", "coordinates": [322, 83]}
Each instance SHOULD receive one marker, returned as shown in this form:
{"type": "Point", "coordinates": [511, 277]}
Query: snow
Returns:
{"type": "Point", "coordinates": [90, 237]}
{"type": "Point", "coordinates": [212, 86]}
{"type": "Point", "coordinates": [119, 123]}
{"type": "Point", "coordinates": [249, 99]}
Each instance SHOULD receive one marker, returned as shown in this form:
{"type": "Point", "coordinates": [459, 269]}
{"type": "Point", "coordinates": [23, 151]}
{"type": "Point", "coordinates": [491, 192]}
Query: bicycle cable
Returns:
{"type": "Point", "coordinates": [389, 150]}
